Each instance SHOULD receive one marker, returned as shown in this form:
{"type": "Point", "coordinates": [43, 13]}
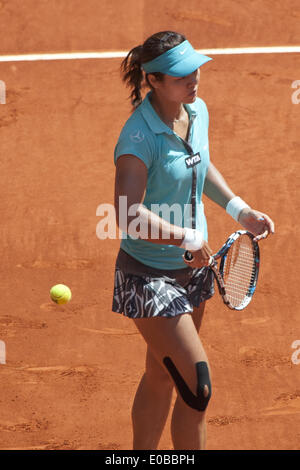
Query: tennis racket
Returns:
{"type": "Point", "coordinates": [238, 271]}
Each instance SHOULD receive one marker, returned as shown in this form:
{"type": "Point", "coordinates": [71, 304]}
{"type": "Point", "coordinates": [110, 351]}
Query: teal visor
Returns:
{"type": "Point", "coordinates": [179, 61]}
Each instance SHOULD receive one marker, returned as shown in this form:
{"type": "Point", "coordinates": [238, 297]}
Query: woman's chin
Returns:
{"type": "Point", "coordinates": [190, 99]}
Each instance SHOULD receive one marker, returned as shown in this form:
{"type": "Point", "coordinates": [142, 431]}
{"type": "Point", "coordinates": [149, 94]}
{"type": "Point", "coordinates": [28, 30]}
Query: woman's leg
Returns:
{"type": "Point", "coordinates": [151, 405]}
{"type": "Point", "coordinates": [178, 339]}
{"type": "Point", "coordinates": [197, 316]}
{"type": "Point", "coordinates": [178, 413]}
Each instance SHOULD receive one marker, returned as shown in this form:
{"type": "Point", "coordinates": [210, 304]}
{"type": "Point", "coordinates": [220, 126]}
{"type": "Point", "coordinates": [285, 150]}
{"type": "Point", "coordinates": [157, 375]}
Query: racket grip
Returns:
{"type": "Point", "coordinates": [188, 256]}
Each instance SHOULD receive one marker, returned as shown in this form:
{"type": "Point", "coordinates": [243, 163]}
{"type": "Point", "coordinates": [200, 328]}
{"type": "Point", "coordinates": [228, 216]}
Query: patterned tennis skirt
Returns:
{"type": "Point", "coordinates": [148, 292]}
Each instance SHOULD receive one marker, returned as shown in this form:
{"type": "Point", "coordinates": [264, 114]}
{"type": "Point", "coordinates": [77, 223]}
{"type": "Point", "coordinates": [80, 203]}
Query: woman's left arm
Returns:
{"type": "Point", "coordinates": [256, 222]}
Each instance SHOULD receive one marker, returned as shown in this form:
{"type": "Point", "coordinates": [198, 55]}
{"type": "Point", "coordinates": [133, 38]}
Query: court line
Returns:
{"type": "Point", "coordinates": [120, 54]}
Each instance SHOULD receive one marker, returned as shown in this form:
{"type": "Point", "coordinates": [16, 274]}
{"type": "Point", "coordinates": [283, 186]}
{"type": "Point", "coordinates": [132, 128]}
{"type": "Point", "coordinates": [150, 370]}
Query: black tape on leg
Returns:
{"type": "Point", "coordinates": [198, 402]}
{"type": "Point", "coordinates": [203, 379]}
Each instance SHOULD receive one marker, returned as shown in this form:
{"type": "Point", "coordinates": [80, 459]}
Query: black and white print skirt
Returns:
{"type": "Point", "coordinates": [143, 292]}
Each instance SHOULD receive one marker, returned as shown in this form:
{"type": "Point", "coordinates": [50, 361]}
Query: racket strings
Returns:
{"type": "Point", "coordinates": [239, 270]}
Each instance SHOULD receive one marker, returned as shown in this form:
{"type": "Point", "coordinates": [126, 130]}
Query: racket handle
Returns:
{"type": "Point", "coordinates": [188, 256]}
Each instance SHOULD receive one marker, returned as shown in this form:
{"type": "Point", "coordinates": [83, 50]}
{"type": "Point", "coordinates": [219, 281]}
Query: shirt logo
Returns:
{"type": "Point", "coordinates": [193, 160]}
{"type": "Point", "coordinates": [182, 52]}
{"type": "Point", "coordinates": [137, 136]}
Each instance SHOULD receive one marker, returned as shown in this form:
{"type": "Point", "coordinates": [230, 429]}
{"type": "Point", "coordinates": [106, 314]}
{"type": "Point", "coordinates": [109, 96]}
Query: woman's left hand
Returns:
{"type": "Point", "coordinates": [259, 224]}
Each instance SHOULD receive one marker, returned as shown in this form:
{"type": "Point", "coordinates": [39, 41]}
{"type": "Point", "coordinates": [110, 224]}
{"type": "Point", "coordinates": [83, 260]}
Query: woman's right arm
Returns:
{"type": "Point", "coordinates": [131, 182]}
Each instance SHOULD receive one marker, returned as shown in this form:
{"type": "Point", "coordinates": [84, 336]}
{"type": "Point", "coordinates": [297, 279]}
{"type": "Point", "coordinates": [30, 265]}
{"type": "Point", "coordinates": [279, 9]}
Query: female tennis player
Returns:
{"type": "Point", "coordinates": [162, 170]}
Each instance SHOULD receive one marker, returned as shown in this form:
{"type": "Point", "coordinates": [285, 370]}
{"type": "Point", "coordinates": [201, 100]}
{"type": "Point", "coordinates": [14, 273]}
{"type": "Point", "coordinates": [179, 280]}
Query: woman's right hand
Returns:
{"type": "Point", "coordinates": [201, 257]}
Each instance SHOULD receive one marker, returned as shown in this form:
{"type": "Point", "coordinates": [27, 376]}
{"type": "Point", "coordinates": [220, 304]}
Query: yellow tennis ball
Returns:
{"type": "Point", "coordinates": [60, 294]}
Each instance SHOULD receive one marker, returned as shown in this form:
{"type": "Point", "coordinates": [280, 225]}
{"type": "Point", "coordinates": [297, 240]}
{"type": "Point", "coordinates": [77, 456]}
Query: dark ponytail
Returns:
{"type": "Point", "coordinates": [131, 67]}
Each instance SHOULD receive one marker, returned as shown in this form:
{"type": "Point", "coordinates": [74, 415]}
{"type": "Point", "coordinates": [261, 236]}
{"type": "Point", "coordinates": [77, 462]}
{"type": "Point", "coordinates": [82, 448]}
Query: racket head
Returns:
{"type": "Point", "coordinates": [239, 268]}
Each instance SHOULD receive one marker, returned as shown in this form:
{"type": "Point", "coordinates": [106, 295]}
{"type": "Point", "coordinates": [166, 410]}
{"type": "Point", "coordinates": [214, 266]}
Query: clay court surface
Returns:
{"type": "Point", "coordinates": [71, 371]}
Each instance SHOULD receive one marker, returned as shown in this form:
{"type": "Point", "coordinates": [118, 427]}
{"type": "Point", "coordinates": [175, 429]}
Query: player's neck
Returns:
{"type": "Point", "coordinates": [169, 112]}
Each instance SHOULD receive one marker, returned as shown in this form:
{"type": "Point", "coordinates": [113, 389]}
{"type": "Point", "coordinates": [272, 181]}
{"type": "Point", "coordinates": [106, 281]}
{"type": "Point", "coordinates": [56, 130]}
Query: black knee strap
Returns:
{"type": "Point", "coordinates": [200, 401]}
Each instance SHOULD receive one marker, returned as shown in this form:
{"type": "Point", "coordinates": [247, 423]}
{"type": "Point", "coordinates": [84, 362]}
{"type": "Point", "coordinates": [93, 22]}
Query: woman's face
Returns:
{"type": "Point", "coordinates": [177, 89]}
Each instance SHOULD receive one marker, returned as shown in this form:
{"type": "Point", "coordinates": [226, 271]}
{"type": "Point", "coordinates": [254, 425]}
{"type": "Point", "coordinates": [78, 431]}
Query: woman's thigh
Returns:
{"type": "Point", "coordinates": [197, 316]}
{"type": "Point", "coordinates": [178, 339]}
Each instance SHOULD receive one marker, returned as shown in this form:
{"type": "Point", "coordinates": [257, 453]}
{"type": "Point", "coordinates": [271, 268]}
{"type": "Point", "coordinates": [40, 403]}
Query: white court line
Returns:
{"type": "Point", "coordinates": [120, 54]}
{"type": "Point", "coordinates": [2, 352]}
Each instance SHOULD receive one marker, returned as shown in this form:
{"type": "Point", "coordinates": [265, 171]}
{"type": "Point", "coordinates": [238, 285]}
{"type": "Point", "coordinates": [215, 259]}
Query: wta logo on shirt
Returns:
{"type": "Point", "coordinates": [193, 160]}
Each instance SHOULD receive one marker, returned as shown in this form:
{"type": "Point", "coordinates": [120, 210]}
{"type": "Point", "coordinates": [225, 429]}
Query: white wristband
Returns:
{"type": "Point", "coordinates": [235, 206]}
{"type": "Point", "coordinates": [193, 240]}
